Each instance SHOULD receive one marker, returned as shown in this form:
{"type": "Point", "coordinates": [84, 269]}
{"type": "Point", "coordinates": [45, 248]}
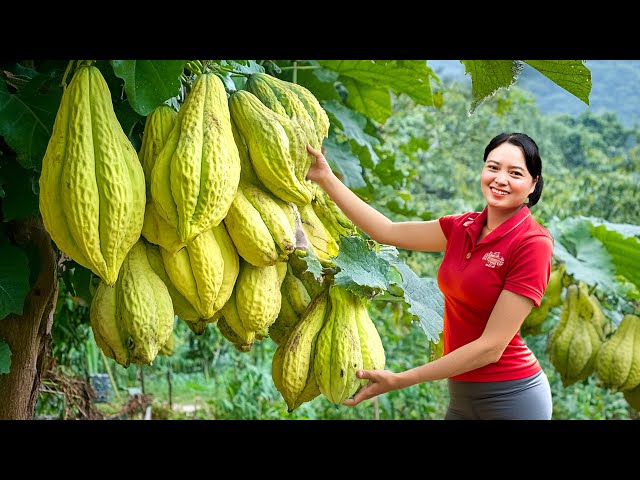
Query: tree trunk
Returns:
{"type": "Point", "coordinates": [29, 335]}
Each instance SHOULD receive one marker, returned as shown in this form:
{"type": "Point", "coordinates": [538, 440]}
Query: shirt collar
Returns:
{"type": "Point", "coordinates": [474, 225]}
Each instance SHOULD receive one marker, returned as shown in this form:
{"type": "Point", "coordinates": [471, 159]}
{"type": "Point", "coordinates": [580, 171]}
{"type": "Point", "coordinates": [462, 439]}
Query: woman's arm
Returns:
{"type": "Point", "coordinates": [418, 235]}
{"type": "Point", "coordinates": [506, 319]}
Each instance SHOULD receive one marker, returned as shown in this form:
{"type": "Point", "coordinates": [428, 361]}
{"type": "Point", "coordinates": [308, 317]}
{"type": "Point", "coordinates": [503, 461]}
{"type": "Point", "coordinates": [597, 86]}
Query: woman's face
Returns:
{"type": "Point", "coordinates": [505, 180]}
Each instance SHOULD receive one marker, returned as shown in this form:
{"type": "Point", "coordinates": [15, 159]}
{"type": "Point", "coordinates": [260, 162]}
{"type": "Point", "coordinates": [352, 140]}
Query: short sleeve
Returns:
{"type": "Point", "coordinates": [530, 268]}
{"type": "Point", "coordinates": [446, 223]}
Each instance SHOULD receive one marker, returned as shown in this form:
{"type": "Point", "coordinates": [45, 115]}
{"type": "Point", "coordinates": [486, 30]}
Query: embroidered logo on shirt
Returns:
{"type": "Point", "coordinates": [493, 259]}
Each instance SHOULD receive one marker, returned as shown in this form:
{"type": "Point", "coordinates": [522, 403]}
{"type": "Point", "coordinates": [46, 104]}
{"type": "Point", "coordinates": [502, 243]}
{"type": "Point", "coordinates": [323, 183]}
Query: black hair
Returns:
{"type": "Point", "coordinates": [531, 156]}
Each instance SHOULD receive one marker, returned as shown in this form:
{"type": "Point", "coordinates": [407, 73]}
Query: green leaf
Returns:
{"type": "Point", "coordinates": [344, 163]}
{"type": "Point", "coordinates": [350, 122]}
{"type": "Point", "coordinates": [369, 83]}
{"type": "Point", "coordinates": [80, 280]}
{"type": "Point", "coordinates": [149, 83]}
{"type": "Point", "coordinates": [320, 82]}
{"type": "Point", "coordinates": [20, 187]}
{"type": "Point", "coordinates": [243, 66]}
{"type": "Point", "coordinates": [374, 102]}
{"type": "Point", "coordinates": [572, 75]}
{"type": "Point", "coordinates": [5, 357]}
{"type": "Point", "coordinates": [26, 118]}
{"type": "Point", "coordinates": [313, 264]}
{"type": "Point", "coordinates": [585, 256]}
{"type": "Point", "coordinates": [366, 153]}
{"type": "Point", "coordinates": [353, 126]}
{"type": "Point", "coordinates": [488, 76]}
{"type": "Point", "coordinates": [14, 279]}
{"type": "Point", "coordinates": [624, 229]}
{"type": "Point", "coordinates": [624, 252]}
{"type": "Point", "coordinates": [360, 267]}
{"type": "Point", "coordinates": [389, 172]}
{"type": "Point", "coordinates": [128, 118]}
{"type": "Point", "coordinates": [230, 69]}
{"type": "Point", "coordinates": [423, 296]}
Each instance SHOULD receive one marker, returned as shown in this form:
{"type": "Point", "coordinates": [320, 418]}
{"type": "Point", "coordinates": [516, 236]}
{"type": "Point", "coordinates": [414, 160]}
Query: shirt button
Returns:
{"type": "Point", "coordinates": [468, 256]}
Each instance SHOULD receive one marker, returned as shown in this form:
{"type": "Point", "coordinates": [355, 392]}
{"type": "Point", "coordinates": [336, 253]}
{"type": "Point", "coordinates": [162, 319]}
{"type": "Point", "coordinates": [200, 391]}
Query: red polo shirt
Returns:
{"type": "Point", "coordinates": [516, 256]}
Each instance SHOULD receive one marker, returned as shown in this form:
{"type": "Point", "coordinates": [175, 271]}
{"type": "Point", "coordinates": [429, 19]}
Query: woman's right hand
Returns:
{"type": "Point", "coordinates": [320, 169]}
{"type": "Point", "coordinates": [380, 381]}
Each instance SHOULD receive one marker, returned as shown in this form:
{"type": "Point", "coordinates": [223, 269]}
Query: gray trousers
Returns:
{"type": "Point", "coordinates": [524, 399]}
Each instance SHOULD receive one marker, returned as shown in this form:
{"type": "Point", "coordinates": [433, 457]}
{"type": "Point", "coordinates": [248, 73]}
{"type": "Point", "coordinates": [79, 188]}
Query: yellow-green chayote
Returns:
{"type": "Point", "coordinates": [618, 362]}
{"type": "Point", "coordinates": [197, 271]}
{"type": "Point", "coordinates": [197, 171]}
{"type": "Point", "coordinates": [132, 320]}
{"type": "Point", "coordinates": [92, 190]}
{"type": "Point", "coordinates": [575, 342]}
{"type": "Point", "coordinates": [258, 295]}
{"type": "Point", "coordinates": [276, 146]}
{"type": "Point", "coordinates": [338, 353]}
{"type": "Point", "coordinates": [292, 364]}
{"type": "Point", "coordinates": [373, 355]}
{"type": "Point", "coordinates": [249, 233]}
{"type": "Point", "coordinates": [157, 128]}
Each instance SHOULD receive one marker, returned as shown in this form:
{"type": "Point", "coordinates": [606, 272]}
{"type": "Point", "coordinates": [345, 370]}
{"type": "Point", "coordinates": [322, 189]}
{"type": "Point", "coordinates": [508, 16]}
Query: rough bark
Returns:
{"type": "Point", "coordinates": [29, 335]}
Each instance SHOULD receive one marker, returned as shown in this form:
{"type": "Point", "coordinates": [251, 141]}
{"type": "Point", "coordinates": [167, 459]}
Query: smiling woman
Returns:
{"type": "Point", "coordinates": [495, 268]}
{"type": "Point", "coordinates": [510, 177]}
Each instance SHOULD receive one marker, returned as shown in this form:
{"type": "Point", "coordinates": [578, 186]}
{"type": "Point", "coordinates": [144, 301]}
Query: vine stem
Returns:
{"type": "Point", "coordinates": [69, 68]}
{"type": "Point", "coordinates": [229, 70]}
{"type": "Point", "coordinates": [301, 67]}
{"type": "Point", "coordinates": [66, 72]}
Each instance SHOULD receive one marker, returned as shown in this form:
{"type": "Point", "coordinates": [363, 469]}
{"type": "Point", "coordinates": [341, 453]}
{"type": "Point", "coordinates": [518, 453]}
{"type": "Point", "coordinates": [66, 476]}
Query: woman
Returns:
{"type": "Point", "coordinates": [495, 268]}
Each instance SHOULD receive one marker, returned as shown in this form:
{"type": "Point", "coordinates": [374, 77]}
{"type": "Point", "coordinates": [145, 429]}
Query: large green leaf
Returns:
{"type": "Point", "coordinates": [366, 153]}
{"type": "Point", "coordinates": [14, 279]}
{"type": "Point", "coordinates": [423, 296]}
{"type": "Point", "coordinates": [368, 272]}
{"type": "Point", "coordinates": [372, 101]}
{"type": "Point", "coordinates": [27, 117]}
{"type": "Point", "coordinates": [20, 190]}
{"type": "Point", "coordinates": [5, 357]}
{"type": "Point", "coordinates": [369, 83]}
{"type": "Point", "coordinates": [572, 75]}
{"type": "Point", "coordinates": [624, 251]}
{"type": "Point", "coordinates": [353, 125]}
{"type": "Point", "coordinates": [624, 229]}
{"type": "Point", "coordinates": [344, 163]}
{"type": "Point", "coordinates": [320, 82]}
{"type": "Point", "coordinates": [149, 83]}
{"type": "Point", "coordinates": [597, 254]}
{"type": "Point", "coordinates": [77, 280]}
{"type": "Point", "coordinates": [488, 76]}
{"type": "Point", "coordinates": [350, 122]}
{"type": "Point", "coordinates": [128, 118]}
{"type": "Point", "coordinates": [361, 267]}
